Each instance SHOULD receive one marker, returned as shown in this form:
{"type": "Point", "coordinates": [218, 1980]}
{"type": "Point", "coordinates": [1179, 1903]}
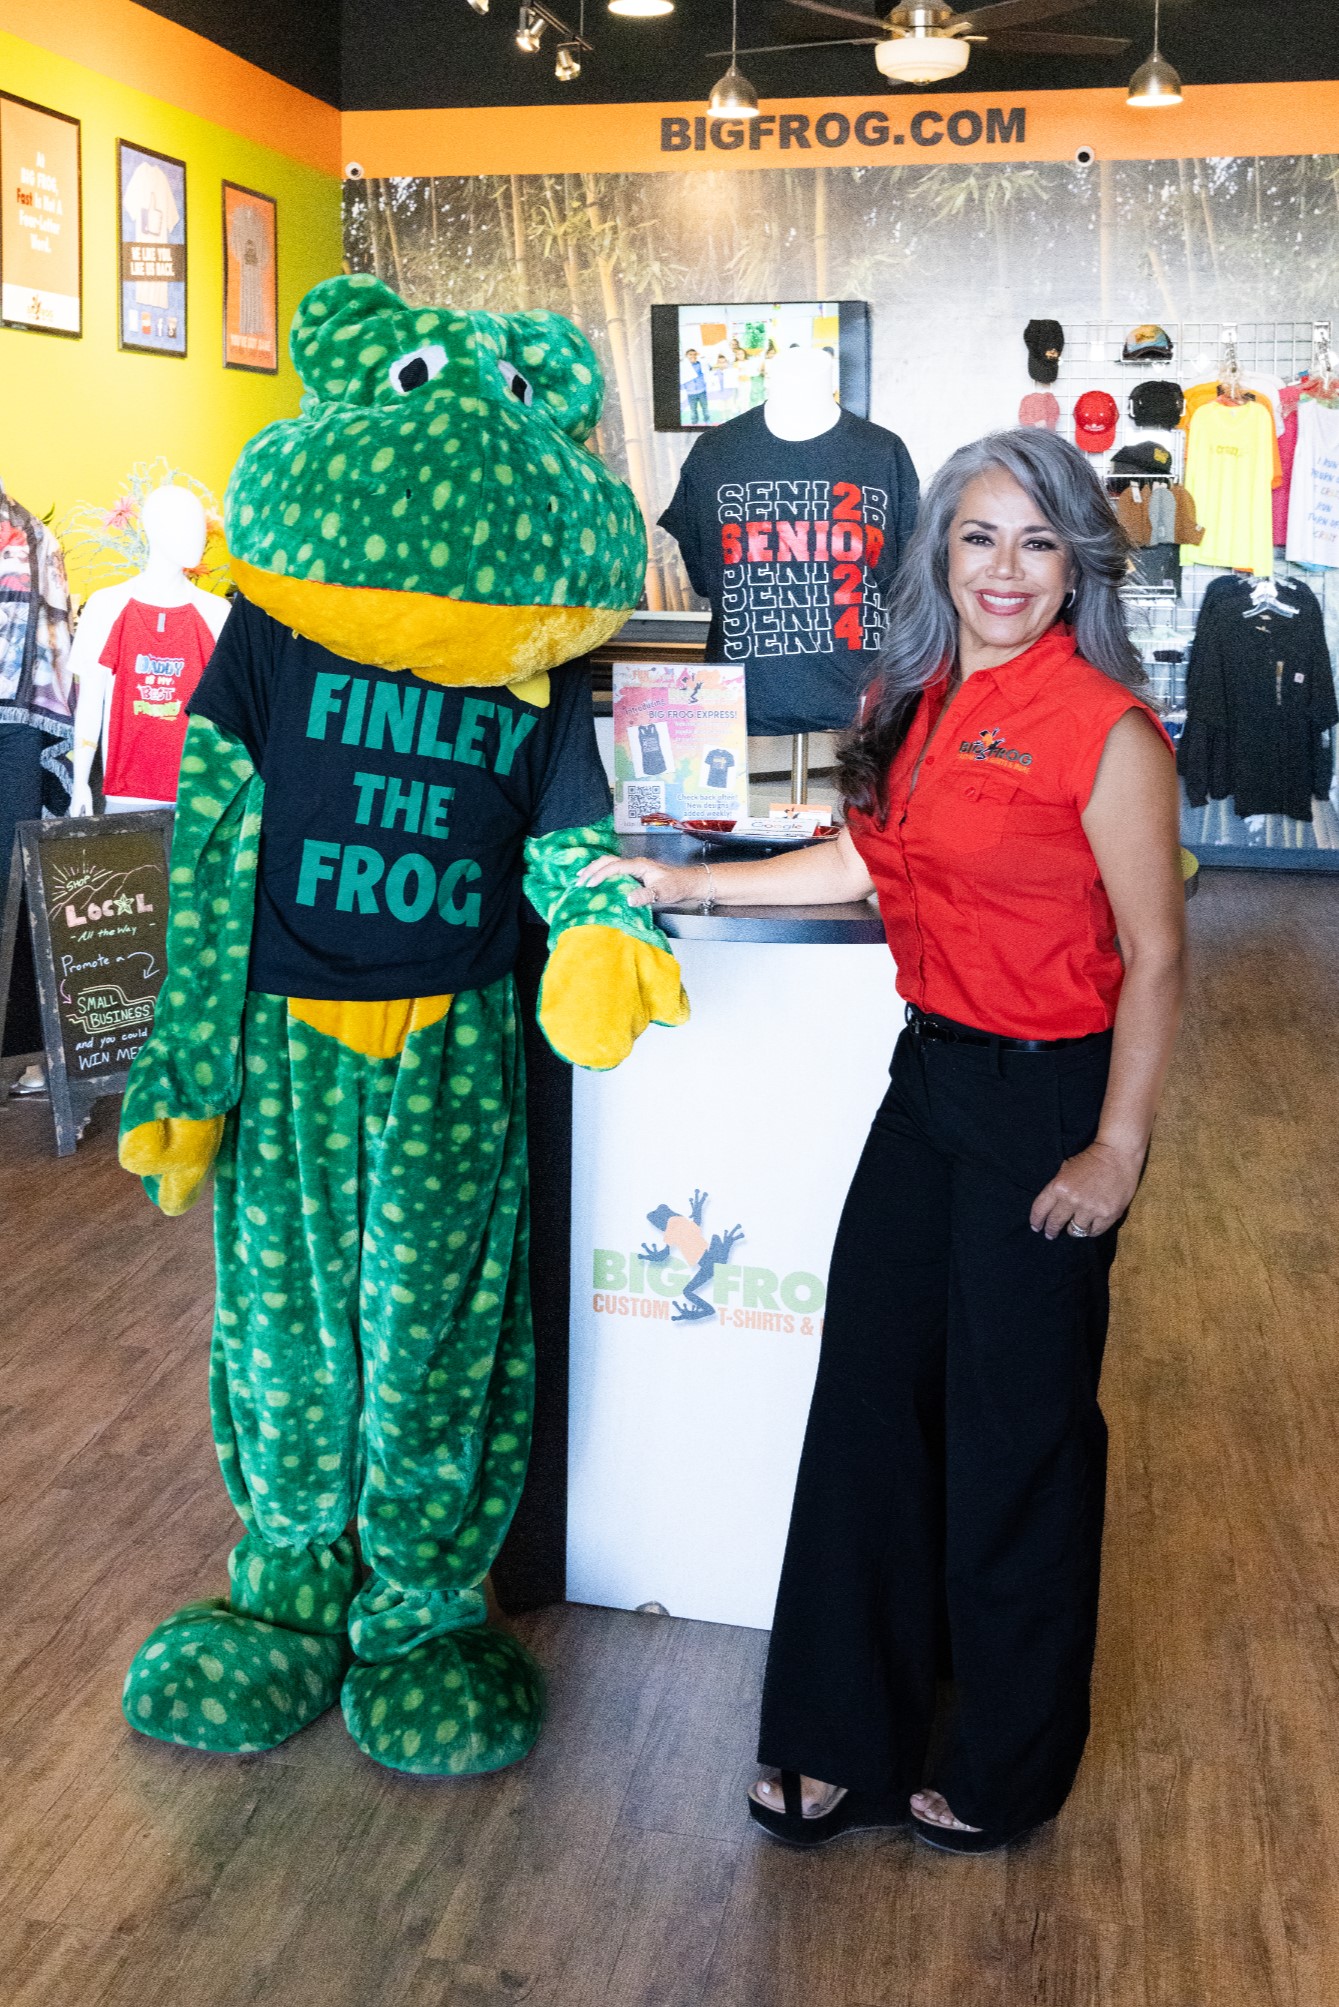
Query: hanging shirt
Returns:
{"type": "Point", "coordinates": [987, 884]}
{"type": "Point", "coordinates": [794, 542]}
{"type": "Point", "coordinates": [36, 684]}
{"type": "Point", "coordinates": [718, 764]}
{"type": "Point", "coordinates": [396, 812]}
{"type": "Point", "coordinates": [1290, 394]}
{"type": "Point", "coordinates": [1259, 700]}
{"type": "Point", "coordinates": [1230, 462]}
{"type": "Point", "coordinates": [156, 655]}
{"type": "Point", "coordinates": [1313, 500]}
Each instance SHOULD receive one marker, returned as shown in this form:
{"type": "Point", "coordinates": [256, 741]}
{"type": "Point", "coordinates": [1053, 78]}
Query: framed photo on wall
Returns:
{"type": "Point", "coordinates": [151, 232]}
{"type": "Point", "coordinates": [41, 208]}
{"type": "Point", "coordinates": [250, 280]}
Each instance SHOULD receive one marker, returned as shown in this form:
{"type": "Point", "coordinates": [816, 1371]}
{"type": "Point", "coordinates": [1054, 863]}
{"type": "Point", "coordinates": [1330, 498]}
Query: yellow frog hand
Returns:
{"type": "Point", "coordinates": [178, 1151]}
{"type": "Point", "coordinates": [601, 989]}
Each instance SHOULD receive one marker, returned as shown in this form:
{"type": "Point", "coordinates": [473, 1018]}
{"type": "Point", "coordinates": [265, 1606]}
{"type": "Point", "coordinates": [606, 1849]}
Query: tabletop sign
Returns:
{"type": "Point", "coordinates": [680, 742]}
{"type": "Point", "coordinates": [97, 904]}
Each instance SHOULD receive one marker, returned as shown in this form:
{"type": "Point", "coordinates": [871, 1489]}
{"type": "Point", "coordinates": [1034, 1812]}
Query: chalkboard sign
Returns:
{"type": "Point", "coordinates": [97, 891]}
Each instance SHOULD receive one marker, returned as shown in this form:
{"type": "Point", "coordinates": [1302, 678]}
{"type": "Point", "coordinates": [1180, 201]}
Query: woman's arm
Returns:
{"type": "Point", "coordinates": [823, 874]}
{"type": "Point", "coordinates": [1132, 823]}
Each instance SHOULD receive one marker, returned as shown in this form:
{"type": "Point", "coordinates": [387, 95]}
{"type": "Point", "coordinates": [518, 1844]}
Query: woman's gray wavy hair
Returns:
{"type": "Point", "coordinates": [923, 621]}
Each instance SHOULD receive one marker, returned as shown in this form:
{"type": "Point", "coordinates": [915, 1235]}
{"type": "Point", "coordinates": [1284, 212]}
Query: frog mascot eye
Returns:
{"type": "Point", "coordinates": [412, 371]}
{"type": "Point", "coordinates": [435, 507]}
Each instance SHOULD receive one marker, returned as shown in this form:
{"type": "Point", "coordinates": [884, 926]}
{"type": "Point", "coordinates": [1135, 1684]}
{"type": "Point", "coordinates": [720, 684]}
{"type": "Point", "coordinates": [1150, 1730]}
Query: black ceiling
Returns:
{"type": "Point", "coordinates": [378, 55]}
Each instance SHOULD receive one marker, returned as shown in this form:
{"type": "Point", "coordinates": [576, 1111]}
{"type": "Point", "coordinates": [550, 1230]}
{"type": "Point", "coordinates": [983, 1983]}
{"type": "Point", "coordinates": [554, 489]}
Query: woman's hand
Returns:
{"type": "Point", "coordinates": [1092, 1190]}
{"type": "Point", "coordinates": [658, 884]}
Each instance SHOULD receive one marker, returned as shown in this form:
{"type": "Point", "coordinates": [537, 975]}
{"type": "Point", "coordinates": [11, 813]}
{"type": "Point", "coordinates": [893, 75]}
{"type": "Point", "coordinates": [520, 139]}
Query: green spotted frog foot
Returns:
{"type": "Point", "coordinates": [211, 1678]}
{"type": "Point", "coordinates": [460, 1705]}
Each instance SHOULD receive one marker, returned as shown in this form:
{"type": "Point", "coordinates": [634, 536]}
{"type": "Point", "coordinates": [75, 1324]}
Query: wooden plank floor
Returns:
{"type": "Point", "coordinates": [1197, 1864]}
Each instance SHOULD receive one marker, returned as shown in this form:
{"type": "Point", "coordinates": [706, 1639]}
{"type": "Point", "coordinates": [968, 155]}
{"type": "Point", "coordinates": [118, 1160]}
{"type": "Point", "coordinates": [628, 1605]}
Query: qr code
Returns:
{"type": "Point", "coordinates": [644, 798]}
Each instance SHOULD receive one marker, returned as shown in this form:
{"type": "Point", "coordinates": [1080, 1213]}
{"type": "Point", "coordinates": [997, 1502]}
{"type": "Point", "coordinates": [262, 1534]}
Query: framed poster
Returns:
{"type": "Point", "coordinates": [41, 240]}
{"type": "Point", "coordinates": [151, 231]}
{"type": "Point", "coordinates": [250, 280]}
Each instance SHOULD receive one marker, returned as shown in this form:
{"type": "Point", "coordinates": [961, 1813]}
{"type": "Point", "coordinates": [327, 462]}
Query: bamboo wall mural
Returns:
{"type": "Point", "coordinates": [953, 259]}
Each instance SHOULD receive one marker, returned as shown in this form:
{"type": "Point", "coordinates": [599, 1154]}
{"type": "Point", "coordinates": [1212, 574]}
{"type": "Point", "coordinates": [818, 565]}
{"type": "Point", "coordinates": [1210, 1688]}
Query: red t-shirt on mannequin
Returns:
{"type": "Point", "coordinates": [156, 655]}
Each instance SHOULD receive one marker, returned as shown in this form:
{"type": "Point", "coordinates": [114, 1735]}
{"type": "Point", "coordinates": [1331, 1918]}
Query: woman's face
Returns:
{"type": "Point", "coordinates": [1008, 571]}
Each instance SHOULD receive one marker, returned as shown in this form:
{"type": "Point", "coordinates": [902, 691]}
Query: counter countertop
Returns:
{"type": "Point", "coordinates": [854, 923]}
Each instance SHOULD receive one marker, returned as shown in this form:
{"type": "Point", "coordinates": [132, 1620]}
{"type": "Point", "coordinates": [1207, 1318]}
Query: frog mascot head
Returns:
{"type": "Point", "coordinates": [383, 751]}
{"type": "Point", "coordinates": [434, 508]}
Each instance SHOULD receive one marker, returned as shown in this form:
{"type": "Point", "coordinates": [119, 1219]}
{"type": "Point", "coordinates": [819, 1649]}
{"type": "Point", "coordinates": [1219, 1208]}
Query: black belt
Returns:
{"type": "Point", "coordinates": [925, 1024]}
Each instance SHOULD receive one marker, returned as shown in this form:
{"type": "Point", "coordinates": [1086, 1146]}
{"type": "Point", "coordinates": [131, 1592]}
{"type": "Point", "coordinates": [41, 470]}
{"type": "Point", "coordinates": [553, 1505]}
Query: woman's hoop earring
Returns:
{"type": "Point", "coordinates": [1067, 603]}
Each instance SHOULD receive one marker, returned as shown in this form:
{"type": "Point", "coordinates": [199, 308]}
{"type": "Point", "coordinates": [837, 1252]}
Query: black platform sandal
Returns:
{"type": "Point", "coordinates": [854, 1812]}
{"type": "Point", "coordinates": [952, 1840]}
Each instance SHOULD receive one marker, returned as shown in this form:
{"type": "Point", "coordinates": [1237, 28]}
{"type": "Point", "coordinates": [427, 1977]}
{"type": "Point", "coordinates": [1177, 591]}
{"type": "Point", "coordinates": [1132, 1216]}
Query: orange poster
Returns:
{"type": "Point", "coordinates": [40, 251]}
{"type": "Point", "coordinates": [250, 280]}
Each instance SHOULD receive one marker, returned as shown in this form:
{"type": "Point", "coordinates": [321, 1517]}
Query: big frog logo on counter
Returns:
{"type": "Point", "coordinates": [687, 1275]}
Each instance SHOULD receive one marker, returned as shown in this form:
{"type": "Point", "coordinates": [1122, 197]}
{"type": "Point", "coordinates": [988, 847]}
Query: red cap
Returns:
{"type": "Point", "coordinates": [1039, 408]}
{"type": "Point", "coordinates": [1095, 421]}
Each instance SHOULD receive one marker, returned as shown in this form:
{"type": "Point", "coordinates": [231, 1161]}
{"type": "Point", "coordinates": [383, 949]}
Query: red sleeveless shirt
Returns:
{"type": "Point", "coordinates": [988, 888]}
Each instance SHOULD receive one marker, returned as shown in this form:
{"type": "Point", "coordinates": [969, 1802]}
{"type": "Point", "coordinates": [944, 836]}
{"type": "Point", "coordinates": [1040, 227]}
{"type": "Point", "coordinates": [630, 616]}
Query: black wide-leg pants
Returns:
{"type": "Point", "coordinates": [947, 1522]}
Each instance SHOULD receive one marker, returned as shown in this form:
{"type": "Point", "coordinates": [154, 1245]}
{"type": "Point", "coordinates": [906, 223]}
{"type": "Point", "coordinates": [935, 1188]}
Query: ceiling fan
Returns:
{"type": "Point", "coordinates": [924, 41]}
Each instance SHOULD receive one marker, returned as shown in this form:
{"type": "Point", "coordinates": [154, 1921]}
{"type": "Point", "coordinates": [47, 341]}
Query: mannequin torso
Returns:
{"type": "Point", "coordinates": [174, 525]}
{"type": "Point", "coordinates": [801, 398]}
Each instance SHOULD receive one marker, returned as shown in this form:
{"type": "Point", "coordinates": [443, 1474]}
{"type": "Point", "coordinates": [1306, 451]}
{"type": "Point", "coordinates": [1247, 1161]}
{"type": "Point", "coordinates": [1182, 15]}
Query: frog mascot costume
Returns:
{"type": "Point", "coordinates": [377, 754]}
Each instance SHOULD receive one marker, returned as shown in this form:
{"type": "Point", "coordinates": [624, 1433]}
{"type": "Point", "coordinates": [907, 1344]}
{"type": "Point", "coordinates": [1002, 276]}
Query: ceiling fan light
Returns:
{"type": "Point", "coordinates": [1154, 83]}
{"type": "Point", "coordinates": [530, 31]}
{"type": "Point", "coordinates": [922, 59]}
{"type": "Point", "coordinates": [733, 96]}
{"type": "Point", "coordinates": [641, 10]}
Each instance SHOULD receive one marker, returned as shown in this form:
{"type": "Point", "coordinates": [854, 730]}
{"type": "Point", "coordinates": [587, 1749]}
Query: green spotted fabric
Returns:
{"type": "Point", "coordinates": [189, 1065]}
{"type": "Point", "coordinates": [441, 452]}
{"type": "Point", "coordinates": [372, 1359]}
{"type": "Point", "coordinates": [551, 867]}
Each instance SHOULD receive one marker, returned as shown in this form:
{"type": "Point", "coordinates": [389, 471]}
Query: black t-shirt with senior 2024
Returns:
{"type": "Point", "coordinates": [396, 812]}
{"type": "Point", "coordinates": [794, 542]}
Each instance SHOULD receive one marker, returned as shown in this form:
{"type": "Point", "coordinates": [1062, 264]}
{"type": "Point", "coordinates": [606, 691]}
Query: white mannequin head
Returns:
{"type": "Point", "coordinates": [801, 393]}
{"type": "Point", "coordinates": [174, 528]}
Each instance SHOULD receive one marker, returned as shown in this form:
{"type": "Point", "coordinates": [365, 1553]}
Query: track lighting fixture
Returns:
{"type": "Point", "coordinates": [530, 31]}
{"type": "Point", "coordinates": [479, 6]}
{"type": "Point", "coordinates": [567, 63]}
{"type": "Point", "coordinates": [733, 96]}
{"type": "Point", "coordinates": [1155, 83]}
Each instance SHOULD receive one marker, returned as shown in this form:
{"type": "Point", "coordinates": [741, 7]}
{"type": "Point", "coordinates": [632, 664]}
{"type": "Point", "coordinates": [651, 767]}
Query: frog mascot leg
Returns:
{"type": "Point", "coordinates": [377, 756]}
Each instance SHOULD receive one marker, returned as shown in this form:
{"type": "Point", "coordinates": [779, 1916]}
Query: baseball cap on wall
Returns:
{"type": "Point", "coordinates": [1147, 343]}
{"type": "Point", "coordinates": [1095, 421]}
{"type": "Point", "coordinates": [1045, 345]}
{"type": "Point", "coordinates": [1157, 405]}
{"type": "Point", "coordinates": [1146, 457]}
{"type": "Point", "coordinates": [1039, 408]}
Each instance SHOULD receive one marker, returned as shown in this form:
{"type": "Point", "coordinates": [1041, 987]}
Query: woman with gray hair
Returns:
{"type": "Point", "coordinates": [1011, 799]}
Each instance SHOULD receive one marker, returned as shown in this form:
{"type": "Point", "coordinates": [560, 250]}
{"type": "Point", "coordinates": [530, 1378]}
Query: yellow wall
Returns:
{"type": "Point", "coordinates": [76, 414]}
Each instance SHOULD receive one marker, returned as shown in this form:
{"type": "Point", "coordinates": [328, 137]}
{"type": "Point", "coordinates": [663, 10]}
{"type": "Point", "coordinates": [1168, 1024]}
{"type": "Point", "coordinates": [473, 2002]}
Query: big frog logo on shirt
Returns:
{"type": "Point", "coordinates": [989, 745]}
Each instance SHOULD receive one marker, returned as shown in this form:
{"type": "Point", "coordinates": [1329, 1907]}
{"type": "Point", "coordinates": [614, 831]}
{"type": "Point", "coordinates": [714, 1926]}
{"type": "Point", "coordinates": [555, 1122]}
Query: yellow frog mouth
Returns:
{"type": "Point", "coordinates": [443, 640]}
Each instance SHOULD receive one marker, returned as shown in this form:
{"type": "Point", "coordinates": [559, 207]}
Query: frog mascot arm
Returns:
{"type": "Point", "coordinates": [385, 743]}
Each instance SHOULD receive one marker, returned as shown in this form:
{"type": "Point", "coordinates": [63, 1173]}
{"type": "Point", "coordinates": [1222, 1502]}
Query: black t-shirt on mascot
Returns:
{"type": "Point", "coordinates": [794, 542]}
{"type": "Point", "coordinates": [396, 812]}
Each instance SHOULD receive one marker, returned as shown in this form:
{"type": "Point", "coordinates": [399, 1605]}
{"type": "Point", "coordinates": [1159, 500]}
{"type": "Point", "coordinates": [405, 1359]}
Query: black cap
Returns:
{"type": "Point", "coordinates": [1145, 458]}
{"type": "Point", "coordinates": [1157, 404]}
{"type": "Point", "coordinates": [1045, 343]}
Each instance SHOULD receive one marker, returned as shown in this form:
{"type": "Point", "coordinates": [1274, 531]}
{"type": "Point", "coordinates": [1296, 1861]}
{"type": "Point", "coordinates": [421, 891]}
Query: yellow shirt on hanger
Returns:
{"type": "Point", "coordinates": [1230, 458]}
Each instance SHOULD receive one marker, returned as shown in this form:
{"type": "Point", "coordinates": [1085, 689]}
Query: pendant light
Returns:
{"type": "Point", "coordinates": [1155, 83]}
{"type": "Point", "coordinates": [733, 96]}
{"type": "Point", "coordinates": [640, 10]}
{"type": "Point", "coordinates": [532, 26]}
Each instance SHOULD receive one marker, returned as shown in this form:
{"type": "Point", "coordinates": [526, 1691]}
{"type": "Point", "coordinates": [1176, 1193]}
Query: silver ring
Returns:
{"type": "Point", "coordinates": [1079, 1232]}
